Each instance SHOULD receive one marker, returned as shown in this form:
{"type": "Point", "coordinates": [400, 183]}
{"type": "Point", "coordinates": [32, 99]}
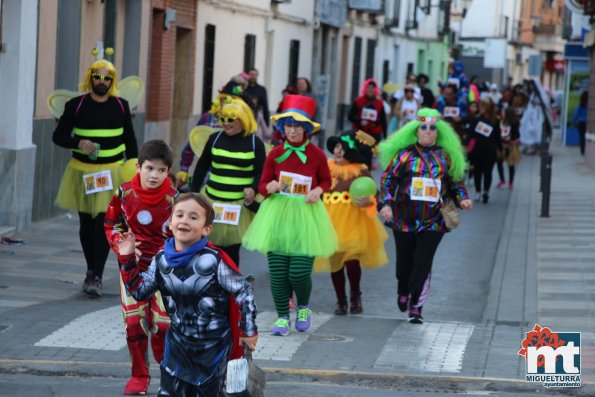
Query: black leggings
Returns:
{"type": "Point", "coordinates": [500, 165]}
{"type": "Point", "coordinates": [415, 254]}
{"type": "Point", "coordinates": [94, 242]}
{"type": "Point", "coordinates": [581, 126]}
{"type": "Point", "coordinates": [484, 166]}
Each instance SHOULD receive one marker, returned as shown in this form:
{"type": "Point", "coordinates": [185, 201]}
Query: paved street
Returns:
{"type": "Point", "coordinates": [501, 272]}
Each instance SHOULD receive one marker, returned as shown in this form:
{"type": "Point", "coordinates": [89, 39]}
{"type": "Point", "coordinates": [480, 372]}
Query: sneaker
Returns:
{"type": "Point", "coordinates": [477, 196]}
{"type": "Point", "coordinates": [500, 184]}
{"type": "Point", "coordinates": [87, 281]}
{"type": "Point", "coordinates": [281, 326]}
{"type": "Point", "coordinates": [415, 315]}
{"type": "Point", "coordinates": [510, 186]}
{"type": "Point", "coordinates": [403, 302]}
{"type": "Point", "coordinates": [95, 287]}
{"type": "Point", "coordinates": [304, 318]}
{"type": "Point", "coordinates": [485, 198]}
{"type": "Point", "coordinates": [137, 386]}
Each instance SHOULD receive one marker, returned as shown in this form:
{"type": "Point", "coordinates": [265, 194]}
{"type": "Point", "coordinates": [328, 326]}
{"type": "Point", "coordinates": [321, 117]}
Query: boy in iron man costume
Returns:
{"type": "Point", "coordinates": [143, 206]}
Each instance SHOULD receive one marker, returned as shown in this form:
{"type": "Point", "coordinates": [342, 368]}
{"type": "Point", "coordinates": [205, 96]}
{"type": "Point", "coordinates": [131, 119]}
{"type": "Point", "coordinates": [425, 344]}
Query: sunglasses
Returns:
{"type": "Point", "coordinates": [425, 127]}
{"type": "Point", "coordinates": [105, 77]}
{"type": "Point", "coordinates": [227, 120]}
{"type": "Point", "coordinates": [295, 127]}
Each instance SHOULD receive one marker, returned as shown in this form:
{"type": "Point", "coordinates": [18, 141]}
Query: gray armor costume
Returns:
{"type": "Point", "coordinates": [196, 296]}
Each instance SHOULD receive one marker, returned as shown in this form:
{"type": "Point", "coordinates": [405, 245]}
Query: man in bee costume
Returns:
{"type": "Point", "coordinates": [97, 127]}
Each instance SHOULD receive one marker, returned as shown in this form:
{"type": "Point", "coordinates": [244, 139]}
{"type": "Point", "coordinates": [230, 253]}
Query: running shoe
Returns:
{"type": "Point", "coordinates": [500, 184]}
{"type": "Point", "coordinates": [304, 318]}
{"type": "Point", "coordinates": [95, 287]}
{"type": "Point", "coordinates": [281, 326]}
{"type": "Point", "coordinates": [341, 308]}
{"type": "Point", "coordinates": [477, 196]}
{"type": "Point", "coordinates": [415, 315]}
{"type": "Point", "coordinates": [510, 186]}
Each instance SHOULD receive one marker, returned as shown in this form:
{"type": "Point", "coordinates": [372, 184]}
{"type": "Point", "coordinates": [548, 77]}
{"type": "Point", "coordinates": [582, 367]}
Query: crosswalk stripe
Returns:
{"type": "Point", "coordinates": [99, 330]}
{"type": "Point", "coordinates": [428, 347]}
{"type": "Point", "coordinates": [282, 348]}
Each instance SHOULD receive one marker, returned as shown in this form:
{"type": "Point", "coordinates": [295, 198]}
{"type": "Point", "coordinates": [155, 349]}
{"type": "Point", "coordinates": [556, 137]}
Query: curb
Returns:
{"type": "Point", "coordinates": [395, 381]}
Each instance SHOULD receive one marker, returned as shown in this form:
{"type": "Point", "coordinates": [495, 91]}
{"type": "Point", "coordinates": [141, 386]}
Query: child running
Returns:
{"type": "Point", "coordinates": [206, 297]}
{"type": "Point", "coordinates": [360, 233]}
{"type": "Point", "coordinates": [143, 207]}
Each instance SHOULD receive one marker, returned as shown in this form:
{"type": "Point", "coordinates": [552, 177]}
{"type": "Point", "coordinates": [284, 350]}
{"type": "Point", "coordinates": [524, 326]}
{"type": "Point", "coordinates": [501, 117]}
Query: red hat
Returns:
{"type": "Point", "coordinates": [301, 108]}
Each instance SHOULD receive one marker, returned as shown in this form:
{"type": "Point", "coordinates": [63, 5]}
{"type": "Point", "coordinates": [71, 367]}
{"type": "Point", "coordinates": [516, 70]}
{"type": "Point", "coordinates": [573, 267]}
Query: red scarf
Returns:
{"type": "Point", "coordinates": [150, 196]}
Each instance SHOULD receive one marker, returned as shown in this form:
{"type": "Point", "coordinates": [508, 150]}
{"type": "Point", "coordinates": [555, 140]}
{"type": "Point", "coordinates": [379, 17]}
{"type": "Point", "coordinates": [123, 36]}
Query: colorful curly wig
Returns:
{"type": "Point", "coordinates": [87, 86]}
{"type": "Point", "coordinates": [407, 136]}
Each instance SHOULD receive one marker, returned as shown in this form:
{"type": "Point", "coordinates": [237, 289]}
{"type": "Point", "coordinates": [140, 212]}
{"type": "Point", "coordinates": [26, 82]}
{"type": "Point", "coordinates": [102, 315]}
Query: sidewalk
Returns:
{"type": "Point", "coordinates": [543, 274]}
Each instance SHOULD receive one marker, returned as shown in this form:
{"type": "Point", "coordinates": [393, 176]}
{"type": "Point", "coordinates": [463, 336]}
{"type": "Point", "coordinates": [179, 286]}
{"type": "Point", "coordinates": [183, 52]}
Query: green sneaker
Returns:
{"type": "Point", "coordinates": [304, 318]}
{"type": "Point", "coordinates": [281, 326]}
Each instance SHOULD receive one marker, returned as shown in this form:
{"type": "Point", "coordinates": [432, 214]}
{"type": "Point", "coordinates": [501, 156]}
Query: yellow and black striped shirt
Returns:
{"type": "Point", "coordinates": [235, 162]}
{"type": "Point", "coordinates": [107, 123]}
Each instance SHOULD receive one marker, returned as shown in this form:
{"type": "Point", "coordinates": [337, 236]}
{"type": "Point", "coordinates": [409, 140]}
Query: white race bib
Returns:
{"type": "Point", "coordinates": [451, 111]}
{"type": "Point", "coordinates": [425, 189]}
{"type": "Point", "coordinates": [97, 182]}
{"type": "Point", "coordinates": [227, 213]}
{"type": "Point", "coordinates": [484, 129]}
{"type": "Point", "coordinates": [505, 132]}
{"type": "Point", "coordinates": [295, 184]}
{"type": "Point", "coordinates": [369, 114]}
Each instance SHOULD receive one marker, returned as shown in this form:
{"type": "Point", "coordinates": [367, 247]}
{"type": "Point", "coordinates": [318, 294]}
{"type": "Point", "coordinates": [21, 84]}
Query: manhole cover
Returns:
{"type": "Point", "coordinates": [326, 338]}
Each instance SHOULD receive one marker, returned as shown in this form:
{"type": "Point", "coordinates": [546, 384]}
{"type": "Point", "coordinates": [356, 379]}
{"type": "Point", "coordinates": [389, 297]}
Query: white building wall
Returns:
{"type": "Point", "coordinates": [481, 18]}
{"type": "Point", "coordinates": [17, 64]}
{"type": "Point", "coordinates": [294, 22]}
{"type": "Point", "coordinates": [274, 28]}
{"type": "Point", "coordinates": [231, 29]}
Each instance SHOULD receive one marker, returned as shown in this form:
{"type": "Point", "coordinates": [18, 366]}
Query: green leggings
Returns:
{"type": "Point", "coordinates": [290, 273]}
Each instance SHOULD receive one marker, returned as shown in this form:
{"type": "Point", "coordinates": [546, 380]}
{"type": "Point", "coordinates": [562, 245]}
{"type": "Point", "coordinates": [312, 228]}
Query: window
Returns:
{"type": "Point", "coordinates": [208, 67]}
{"type": "Point", "coordinates": [294, 61]}
{"type": "Point", "coordinates": [357, 64]}
{"type": "Point", "coordinates": [425, 5]}
{"type": "Point", "coordinates": [385, 71]}
{"type": "Point", "coordinates": [370, 58]}
{"type": "Point", "coordinates": [68, 44]}
{"type": "Point", "coordinates": [249, 51]}
{"type": "Point", "coordinates": [421, 60]}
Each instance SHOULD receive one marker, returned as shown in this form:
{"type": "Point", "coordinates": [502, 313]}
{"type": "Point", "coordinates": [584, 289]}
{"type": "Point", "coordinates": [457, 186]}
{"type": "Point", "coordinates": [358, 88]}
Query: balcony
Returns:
{"type": "Point", "coordinates": [548, 29]}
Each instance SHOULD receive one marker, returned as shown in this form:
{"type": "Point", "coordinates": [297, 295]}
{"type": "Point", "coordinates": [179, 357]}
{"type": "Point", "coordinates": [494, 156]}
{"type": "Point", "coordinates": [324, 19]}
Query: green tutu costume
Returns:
{"type": "Point", "coordinates": [71, 194]}
{"type": "Point", "coordinates": [288, 225]}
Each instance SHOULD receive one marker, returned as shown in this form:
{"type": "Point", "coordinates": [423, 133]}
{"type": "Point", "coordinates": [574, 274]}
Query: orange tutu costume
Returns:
{"type": "Point", "coordinates": [361, 234]}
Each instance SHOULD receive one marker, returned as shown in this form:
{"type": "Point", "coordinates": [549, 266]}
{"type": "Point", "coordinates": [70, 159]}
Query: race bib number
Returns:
{"type": "Point", "coordinates": [369, 114]}
{"type": "Point", "coordinates": [295, 184]}
{"type": "Point", "coordinates": [483, 129]}
{"type": "Point", "coordinates": [505, 132]}
{"type": "Point", "coordinates": [454, 81]}
{"type": "Point", "coordinates": [227, 213]}
{"type": "Point", "coordinates": [97, 182]}
{"type": "Point", "coordinates": [425, 189]}
{"type": "Point", "coordinates": [451, 111]}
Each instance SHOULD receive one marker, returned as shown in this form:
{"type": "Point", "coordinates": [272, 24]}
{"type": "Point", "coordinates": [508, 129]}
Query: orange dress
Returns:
{"type": "Point", "coordinates": [361, 234]}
